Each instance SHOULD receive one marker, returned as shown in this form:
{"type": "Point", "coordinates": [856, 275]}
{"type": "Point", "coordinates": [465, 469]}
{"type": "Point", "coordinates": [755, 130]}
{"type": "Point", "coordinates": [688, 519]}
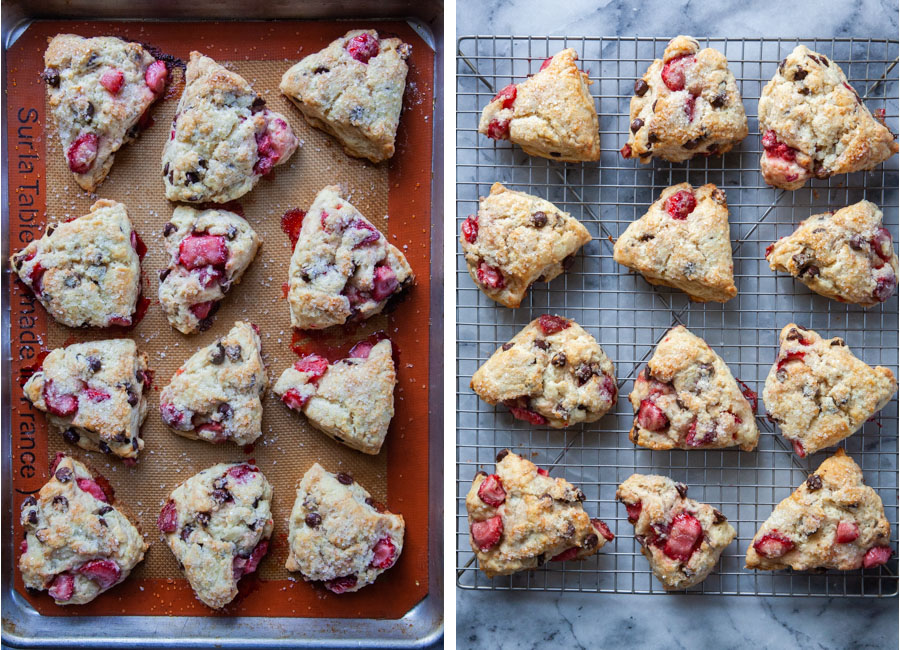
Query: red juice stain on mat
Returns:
{"type": "Point", "coordinates": [26, 372]}
{"type": "Point", "coordinates": [138, 244]}
{"type": "Point", "coordinates": [249, 448]}
{"type": "Point", "coordinates": [291, 222]}
{"type": "Point", "coordinates": [285, 287]}
{"type": "Point", "coordinates": [339, 343]}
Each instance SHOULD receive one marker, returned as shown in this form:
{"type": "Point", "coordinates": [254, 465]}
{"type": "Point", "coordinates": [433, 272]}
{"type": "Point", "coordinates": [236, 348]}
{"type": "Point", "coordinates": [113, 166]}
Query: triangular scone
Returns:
{"type": "Point", "coordinates": [845, 255]}
{"type": "Point", "coordinates": [100, 89]}
{"type": "Point", "coordinates": [216, 395]}
{"type": "Point", "coordinates": [686, 104]}
{"type": "Point", "coordinates": [338, 534]}
{"type": "Point", "coordinates": [819, 393]}
{"type": "Point", "coordinates": [516, 240]}
{"type": "Point", "coordinates": [86, 272]}
{"type": "Point", "coordinates": [552, 372]}
{"type": "Point", "coordinates": [520, 518]}
{"type": "Point", "coordinates": [209, 250]}
{"type": "Point", "coordinates": [351, 400]}
{"type": "Point", "coordinates": [683, 241]}
{"type": "Point", "coordinates": [815, 125]}
{"type": "Point", "coordinates": [343, 268]}
{"type": "Point", "coordinates": [681, 538]}
{"type": "Point", "coordinates": [551, 114]}
{"type": "Point", "coordinates": [224, 139]}
{"type": "Point", "coordinates": [77, 542]}
{"type": "Point", "coordinates": [217, 524]}
{"type": "Point", "coordinates": [832, 521]}
{"type": "Point", "coordinates": [96, 394]}
{"type": "Point", "coordinates": [353, 89]}
{"type": "Point", "coordinates": [686, 398]}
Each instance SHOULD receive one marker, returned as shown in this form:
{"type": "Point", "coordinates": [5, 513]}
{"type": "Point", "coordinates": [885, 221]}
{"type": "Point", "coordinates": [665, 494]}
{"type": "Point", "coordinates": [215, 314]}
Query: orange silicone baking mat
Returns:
{"type": "Point", "coordinates": [42, 191]}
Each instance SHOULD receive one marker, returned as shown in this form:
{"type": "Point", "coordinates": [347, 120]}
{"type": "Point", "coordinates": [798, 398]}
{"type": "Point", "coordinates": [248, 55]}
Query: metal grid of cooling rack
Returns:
{"type": "Point", "coordinates": [628, 316]}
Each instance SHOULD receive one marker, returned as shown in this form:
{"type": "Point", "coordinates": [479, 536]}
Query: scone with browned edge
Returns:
{"type": "Point", "coordinates": [551, 114]}
{"type": "Point", "coordinates": [95, 393]}
{"type": "Point", "coordinates": [552, 372]}
{"type": "Point", "coordinates": [681, 538]}
{"type": "Point", "coordinates": [77, 542]}
{"type": "Point", "coordinates": [100, 91]}
{"type": "Point", "coordinates": [86, 272]}
{"type": "Point", "coordinates": [815, 125]}
{"type": "Point", "coordinates": [819, 393]}
{"type": "Point", "coordinates": [224, 139]}
{"type": "Point", "coordinates": [516, 240]}
{"type": "Point", "coordinates": [353, 89]}
{"type": "Point", "coordinates": [832, 521]}
{"type": "Point", "coordinates": [686, 398]}
{"type": "Point", "coordinates": [520, 518]}
{"type": "Point", "coordinates": [216, 395]}
{"type": "Point", "coordinates": [350, 400]}
{"type": "Point", "coordinates": [338, 534]}
{"type": "Point", "coordinates": [845, 255]}
{"type": "Point", "coordinates": [686, 104]}
{"type": "Point", "coordinates": [683, 241]}
{"type": "Point", "coordinates": [217, 524]}
{"type": "Point", "coordinates": [208, 250]}
{"type": "Point", "coordinates": [343, 269]}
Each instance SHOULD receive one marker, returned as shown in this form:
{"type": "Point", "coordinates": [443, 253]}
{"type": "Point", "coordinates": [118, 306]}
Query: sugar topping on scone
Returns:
{"type": "Point", "coordinates": [819, 393]}
{"type": "Point", "coordinates": [520, 518]}
{"type": "Point", "coordinates": [216, 395]}
{"type": "Point", "coordinates": [100, 92]}
{"type": "Point", "coordinates": [832, 521]}
{"type": "Point", "coordinates": [86, 272]}
{"type": "Point", "coordinates": [343, 269]}
{"type": "Point", "coordinates": [209, 250]}
{"type": "Point", "coordinates": [78, 543]}
{"type": "Point", "coordinates": [217, 524]}
{"type": "Point", "coordinates": [553, 372]}
{"type": "Point", "coordinates": [224, 139]}
{"type": "Point", "coordinates": [686, 398]}
{"type": "Point", "coordinates": [338, 534]}
{"type": "Point", "coordinates": [846, 255]}
{"type": "Point", "coordinates": [351, 400]}
{"type": "Point", "coordinates": [681, 538]}
{"type": "Point", "coordinates": [551, 114]}
{"type": "Point", "coordinates": [353, 89]}
{"type": "Point", "coordinates": [95, 393]}
{"type": "Point", "coordinates": [686, 104]}
{"type": "Point", "coordinates": [517, 239]}
{"type": "Point", "coordinates": [814, 123]}
{"type": "Point", "coordinates": [683, 241]}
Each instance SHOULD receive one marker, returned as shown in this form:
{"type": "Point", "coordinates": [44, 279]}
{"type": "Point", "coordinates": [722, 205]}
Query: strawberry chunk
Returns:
{"type": "Point", "coordinates": [470, 229]}
{"type": "Point", "coordinates": [796, 355]}
{"type": "Point", "coordinates": [769, 250]}
{"type": "Point", "coordinates": [681, 204]}
{"type": "Point", "coordinates": [546, 63]}
{"type": "Point", "coordinates": [542, 471]}
{"type": "Point", "coordinates": [171, 414]}
{"type": "Point", "coordinates": [625, 151]}
{"type": "Point", "coordinates": [601, 527]}
{"type": "Point", "coordinates": [96, 395]}
{"type": "Point", "coordinates": [877, 555]}
{"type": "Point", "coordinates": [491, 491]}
{"type": "Point", "coordinates": [384, 282]}
{"type": "Point", "coordinates": [63, 587]}
{"type": "Point", "coordinates": [272, 144]}
{"type": "Point", "coordinates": [214, 428]}
{"type": "Point", "coordinates": [61, 404]}
{"type": "Point", "coordinates": [776, 149]}
{"type": "Point", "coordinates": [490, 276]}
{"type": "Point", "coordinates": [313, 364]}
{"type": "Point", "coordinates": [882, 244]}
{"type": "Point", "coordinates": [634, 511]}
{"type": "Point", "coordinates": [528, 415]}
{"type": "Point", "coordinates": [685, 535]}
{"type": "Point", "coordinates": [798, 448]}
{"type": "Point", "coordinates": [294, 399]}
{"type": "Point", "coordinates": [91, 487]}
{"type": "Point", "coordinates": [486, 534]}
{"type": "Point", "coordinates": [361, 350]}
{"type": "Point", "coordinates": [197, 251]}
{"type": "Point", "coordinates": [155, 77]}
{"type": "Point", "coordinates": [363, 47]}
{"type": "Point", "coordinates": [112, 80]}
{"type": "Point", "coordinates": [259, 552]}
{"type": "Point", "coordinates": [568, 554]}
{"type": "Point", "coordinates": [884, 287]}
{"type": "Point", "coordinates": [608, 387]}
{"type": "Point", "coordinates": [695, 438]}
{"type": "Point", "coordinates": [209, 276]}
{"type": "Point", "coordinates": [508, 95]}
{"type": "Point", "coordinates": [673, 72]}
{"type": "Point", "coordinates": [23, 547]}
{"type": "Point", "coordinates": [689, 104]}
{"type": "Point", "coordinates": [369, 234]}
{"type": "Point", "coordinates": [498, 130]}
{"type": "Point", "coordinates": [240, 472]}
{"type": "Point", "coordinates": [552, 324]}
{"type": "Point", "coordinates": [385, 554]}
{"type": "Point", "coordinates": [105, 573]}
{"type": "Point", "coordinates": [83, 152]}
{"type": "Point", "coordinates": [651, 417]}
{"type": "Point", "coordinates": [167, 521]}
{"type": "Point", "coordinates": [340, 585]}
{"type": "Point", "coordinates": [138, 245]}
{"type": "Point", "coordinates": [847, 531]}
{"type": "Point", "coordinates": [56, 460]}
{"type": "Point", "coordinates": [201, 309]}
{"type": "Point", "coordinates": [773, 545]}
{"type": "Point", "coordinates": [36, 278]}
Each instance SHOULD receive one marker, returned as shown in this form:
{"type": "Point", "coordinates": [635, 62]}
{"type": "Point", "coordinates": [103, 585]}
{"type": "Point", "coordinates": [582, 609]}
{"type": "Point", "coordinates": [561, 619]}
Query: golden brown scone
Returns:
{"type": "Point", "coordinates": [683, 241]}
{"type": "Point", "coordinates": [686, 104]}
{"type": "Point", "coordinates": [551, 114]}
{"type": "Point", "coordinates": [832, 521]}
{"type": "Point", "coordinates": [819, 393]}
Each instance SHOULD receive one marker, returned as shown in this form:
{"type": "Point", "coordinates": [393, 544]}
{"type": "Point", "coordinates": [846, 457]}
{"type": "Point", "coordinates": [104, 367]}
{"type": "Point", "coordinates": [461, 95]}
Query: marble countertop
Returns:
{"type": "Point", "coordinates": [537, 619]}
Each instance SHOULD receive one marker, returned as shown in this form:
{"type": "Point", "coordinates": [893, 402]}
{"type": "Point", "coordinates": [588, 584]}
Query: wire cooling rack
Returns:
{"type": "Point", "coordinates": [628, 316]}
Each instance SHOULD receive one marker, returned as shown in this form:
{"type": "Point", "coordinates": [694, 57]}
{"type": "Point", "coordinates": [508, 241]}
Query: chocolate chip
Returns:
{"type": "Point", "coordinates": [555, 154]}
{"type": "Point", "coordinates": [166, 173]}
{"type": "Point", "coordinates": [103, 447]}
{"type": "Point", "coordinates": [652, 138]}
{"type": "Point", "coordinates": [542, 344]}
{"type": "Point", "coordinates": [344, 478]}
{"type": "Point", "coordinates": [781, 374]}
{"type": "Point", "coordinates": [800, 74]}
{"type": "Point", "coordinates": [507, 346]}
{"type": "Point", "coordinates": [203, 518]}
{"type": "Point", "coordinates": [583, 373]}
{"type": "Point", "coordinates": [218, 355]}
{"type": "Point", "coordinates": [682, 489]}
{"type": "Point", "coordinates": [320, 70]}
{"type": "Point", "coordinates": [63, 475]}
{"type": "Point", "coordinates": [32, 517]}
{"type": "Point", "coordinates": [568, 261]}
{"type": "Point", "coordinates": [233, 352]}
{"type": "Point", "coordinates": [781, 66]}
{"type": "Point", "coordinates": [718, 517]}
{"type": "Point", "coordinates": [313, 519]}
{"type": "Point", "coordinates": [539, 219]}
{"type": "Point", "coordinates": [220, 483]}
{"type": "Point", "coordinates": [61, 502]}
{"type": "Point", "coordinates": [636, 124]}
{"type": "Point", "coordinates": [719, 100]}
{"type": "Point", "coordinates": [29, 501]}
{"type": "Point", "coordinates": [94, 364]}
{"type": "Point", "coordinates": [121, 437]}
{"type": "Point", "coordinates": [693, 144]}
{"type": "Point", "coordinates": [51, 77]}
{"type": "Point", "coordinates": [186, 532]}
{"type": "Point", "coordinates": [814, 482]}
{"type": "Point", "coordinates": [191, 177]}
{"type": "Point", "coordinates": [102, 522]}
{"type": "Point", "coordinates": [169, 228]}
{"type": "Point", "coordinates": [132, 398]}
{"type": "Point", "coordinates": [803, 91]}
{"type": "Point", "coordinates": [258, 104]}
{"type": "Point", "coordinates": [70, 435]}
{"type": "Point", "coordinates": [653, 106]}
{"type": "Point", "coordinates": [221, 495]}
{"type": "Point", "coordinates": [135, 444]}
{"type": "Point", "coordinates": [812, 270]}
{"type": "Point", "coordinates": [591, 541]}
{"type": "Point", "coordinates": [559, 359]}
{"type": "Point", "coordinates": [570, 530]}
{"type": "Point", "coordinates": [579, 495]}
{"type": "Point", "coordinates": [164, 274]}
{"type": "Point", "coordinates": [503, 453]}
{"type": "Point", "coordinates": [226, 410]}
{"type": "Point", "coordinates": [641, 87]}
{"type": "Point", "coordinates": [823, 59]}
{"type": "Point", "coordinates": [838, 342]}
{"type": "Point", "coordinates": [857, 242]}
{"type": "Point", "coordinates": [646, 237]}
{"type": "Point", "coordinates": [89, 110]}
{"type": "Point", "coordinates": [231, 233]}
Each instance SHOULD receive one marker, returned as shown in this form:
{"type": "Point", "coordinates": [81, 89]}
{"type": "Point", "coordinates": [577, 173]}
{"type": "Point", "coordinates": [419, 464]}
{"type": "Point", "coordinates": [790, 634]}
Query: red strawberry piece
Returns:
{"type": "Point", "coordinates": [105, 573]}
{"type": "Point", "coordinates": [63, 587]}
{"type": "Point", "coordinates": [56, 460]}
{"type": "Point", "coordinates": [361, 350]}
{"type": "Point", "coordinates": [877, 555]}
{"type": "Point", "coordinates": [256, 557]}
{"type": "Point", "coordinates": [384, 282]}
{"type": "Point", "coordinates": [171, 414]}
{"type": "Point", "coordinates": [201, 309]}
{"type": "Point", "coordinates": [634, 511]}
{"type": "Point", "coordinates": [528, 415]}
{"type": "Point", "coordinates": [673, 71]}
{"type": "Point", "coordinates": [292, 223]}
{"type": "Point", "coordinates": [155, 77]}
{"type": "Point", "coordinates": [112, 80]}
{"type": "Point", "coordinates": [197, 251]}
{"type": "Point", "coordinates": [546, 62]}
{"type": "Point", "coordinates": [750, 395]}
{"type": "Point", "coordinates": [769, 250]}
{"type": "Point", "coordinates": [167, 521]}
{"type": "Point", "coordinates": [491, 491]}
{"type": "Point", "coordinates": [608, 387]}
{"type": "Point", "coordinates": [685, 535]}
{"type": "Point", "coordinates": [625, 151]}
{"type": "Point", "coordinates": [121, 321]}
{"type": "Point", "coordinates": [498, 130]}
{"type": "Point", "coordinates": [651, 417]}
{"type": "Point", "coordinates": [695, 438]}
{"type": "Point", "coordinates": [240, 472]}
{"type": "Point", "coordinates": [884, 287]}
{"type": "Point", "coordinates": [91, 487]}
{"type": "Point", "coordinates": [882, 244]}
{"type": "Point", "coordinates": [773, 545]}
{"type": "Point", "coordinates": [209, 276]}
{"type": "Point", "coordinates": [36, 278]}
{"type": "Point", "coordinates": [798, 448]}
{"type": "Point", "coordinates": [61, 404]}
{"type": "Point", "coordinates": [470, 229]}
{"type": "Point", "coordinates": [490, 276]}
{"type": "Point", "coordinates": [681, 204]}
{"type": "Point", "coordinates": [369, 233]}
{"type": "Point", "coordinates": [542, 471]}
{"type": "Point", "coordinates": [777, 149]}
{"type": "Point", "coordinates": [271, 145]}
{"type": "Point", "coordinates": [313, 364]}
{"type": "Point", "coordinates": [486, 534]}
{"type": "Point", "coordinates": [340, 585]}
{"type": "Point", "coordinates": [138, 244]}
{"type": "Point", "coordinates": [601, 527]}
{"type": "Point", "coordinates": [795, 355]}
{"type": "Point", "coordinates": [83, 152]}
{"type": "Point", "coordinates": [23, 547]}
{"type": "Point", "coordinates": [552, 324]}
{"type": "Point", "coordinates": [689, 104]}
{"type": "Point", "coordinates": [96, 395]}
{"type": "Point", "coordinates": [385, 554]}
{"type": "Point", "coordinates": [363, 47]}
{"type": "Point", "coordinates": [847, 531]}
{"type": "Point", "coordinates": [215, 428]}
{"type": "Point", "coordinates": [568, 554]}
{"type": "Point", "coordinates": [508, 95]}
{"type": "Point", "coordinates": [294, 399]}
